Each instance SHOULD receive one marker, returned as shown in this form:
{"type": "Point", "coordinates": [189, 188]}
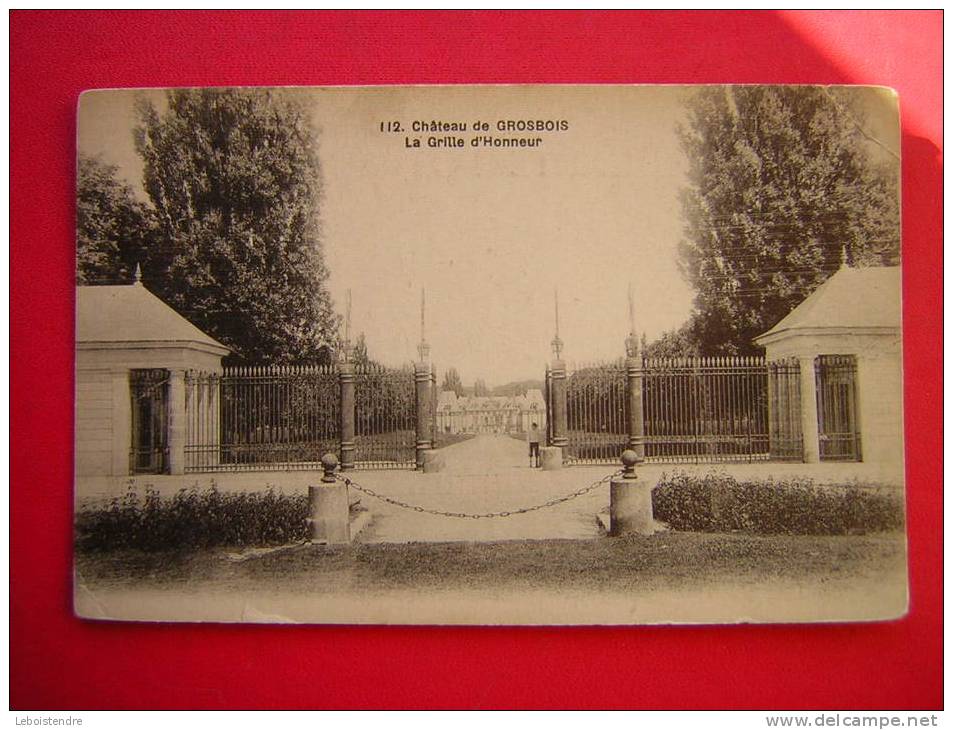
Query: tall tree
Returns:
{"type": "Point", "coordinates": [480, 388]}
{"type": "Point", "coordinates": [681, 342]}
{"type": "Point", "coordinates": [234, 178]}
{"type": "Point", "coordinates": [451, 381]}
{"type": "Point", "coordinates": [113, 228]}
{"type": "Point", "coordinates": [782, 181]}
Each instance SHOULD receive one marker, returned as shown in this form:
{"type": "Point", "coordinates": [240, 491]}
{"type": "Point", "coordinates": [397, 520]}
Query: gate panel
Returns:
{"type": "Point", "coordinates": [837, 425]}
{"type": "Point", "coordinates": [784, 410]}
{"type": "Point", "coordinates": [596, 413]}
{"type": "Point", "coordinates": [705, 409]}
{"type": "Point", "coordinates": [149, 451]}
{"type": "Point", "coordinates": [261, 418]}
{"type": "Point", "coordinates": [385, 418]}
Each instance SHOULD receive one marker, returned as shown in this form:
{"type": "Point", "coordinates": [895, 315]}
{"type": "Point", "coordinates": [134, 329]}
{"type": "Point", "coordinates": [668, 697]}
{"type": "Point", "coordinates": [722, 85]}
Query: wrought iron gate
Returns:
{"type": "Point", "coordinates": [837, 426]}
{"type": "Point", "coordinates": [712, 409]}
{"type": "Point", "coordinates": [252, 418]}
{"type": "Point", "coordinates": [705, 409]}
{"type": "Point", "coordinates": [385, 417]}
{"type": "Point", "coordinates": [784, 410]}
{"type": "Point", "coordinates": [149, 392]}
{"type": "Point", "coordinates": [596, 413]}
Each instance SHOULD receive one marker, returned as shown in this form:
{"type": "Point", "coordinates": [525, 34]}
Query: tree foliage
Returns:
{"type": "Point", "coordinates": [782, 180]}
{"type": "Point", "coordinates": [681, 342]}
{"type": "Point", "coordinates": [234, 179]}
{"type": "Point", "coordinates": [480, 389]}
{"type": "Point", "coordinates": [114, 230]}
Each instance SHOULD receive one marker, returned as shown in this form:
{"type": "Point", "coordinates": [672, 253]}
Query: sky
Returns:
{"type": "Point", "coordinates": [491, 234]}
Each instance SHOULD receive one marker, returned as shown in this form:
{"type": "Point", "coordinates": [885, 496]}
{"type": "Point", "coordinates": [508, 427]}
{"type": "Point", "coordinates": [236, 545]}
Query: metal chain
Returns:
{"type": "Point", "coordinates": [476, 516]}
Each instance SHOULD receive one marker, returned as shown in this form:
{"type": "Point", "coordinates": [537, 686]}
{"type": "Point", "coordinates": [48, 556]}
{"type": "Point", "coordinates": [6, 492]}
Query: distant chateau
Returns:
{"type": "Point", "coordinates": [490, 414]}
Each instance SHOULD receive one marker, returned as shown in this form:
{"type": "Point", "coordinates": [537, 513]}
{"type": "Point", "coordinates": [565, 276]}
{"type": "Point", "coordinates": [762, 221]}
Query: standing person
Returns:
{"type": "Point", "coordinates": [532, 437]}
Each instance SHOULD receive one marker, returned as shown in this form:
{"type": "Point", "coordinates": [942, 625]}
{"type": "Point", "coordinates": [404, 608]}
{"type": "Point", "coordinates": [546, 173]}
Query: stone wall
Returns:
{"type": "Point", "coordinates": [94, 422]}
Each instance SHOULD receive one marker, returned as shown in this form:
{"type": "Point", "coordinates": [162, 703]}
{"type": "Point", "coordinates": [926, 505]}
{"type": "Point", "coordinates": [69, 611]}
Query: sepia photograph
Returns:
{"type": "Point", "coordinates": [489, 355]}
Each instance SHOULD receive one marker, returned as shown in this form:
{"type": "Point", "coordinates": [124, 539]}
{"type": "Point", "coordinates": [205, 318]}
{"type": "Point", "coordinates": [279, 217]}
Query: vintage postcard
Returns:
{"type": "Point", "coordinates": [489, 355]}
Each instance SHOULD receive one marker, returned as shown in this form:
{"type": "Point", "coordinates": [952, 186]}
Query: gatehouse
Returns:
{"type": "Point", "coordinates": [154, 398]}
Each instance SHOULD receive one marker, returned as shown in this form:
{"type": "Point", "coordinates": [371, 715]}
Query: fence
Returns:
{"type": "Point", "coordinates": [385, 418]}
{"type": "Point", "coordinates": [287, 417]}
{"type": "Point", "coordinates": [706, 409]}
{"type": "Point", "coordinates": [723, 409]}
{"type": "Point", "coordinates": [785, 437]}
{"type": "Point", "coordinates": [252, 418]}
{"type": "Point", "coordinates": [596, 413]}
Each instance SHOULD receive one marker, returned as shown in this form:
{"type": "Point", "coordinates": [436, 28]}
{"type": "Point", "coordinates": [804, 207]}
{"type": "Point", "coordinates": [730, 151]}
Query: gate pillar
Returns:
{"type": "Point", "coordinates": [809, 427]}
{"type": "Point", "coordinates": [346, 378]}
{"type": "Point", "coordinates": [176, 422]}
{"type": "Point", "coordinates": [633, 385]}
{"type": "Point", "coordinates": [422, 381]}
{"type": "Point", "coordinates": [557, 384]}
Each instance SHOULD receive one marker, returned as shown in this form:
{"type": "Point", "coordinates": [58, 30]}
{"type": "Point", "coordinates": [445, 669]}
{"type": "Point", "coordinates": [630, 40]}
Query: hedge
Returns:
{"type": "Point", "coordinates": [720, 503]}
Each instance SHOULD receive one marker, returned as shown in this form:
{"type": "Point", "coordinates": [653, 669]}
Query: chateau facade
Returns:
{"type": "Point", "coordinates": [490, 414]}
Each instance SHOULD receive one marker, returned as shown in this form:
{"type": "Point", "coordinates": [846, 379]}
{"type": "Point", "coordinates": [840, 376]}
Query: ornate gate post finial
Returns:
{"type": "Point", "coordinates": [423, 349]}
{"type": "Point", "coordinates": [631, 345]}
{"type": "Point", "coordinates": [138, 275]}
{"type": "Point", "coordinates": [346, 346]}
{"type": "Point", "coordinates": [557, 343]}
{"type": "Point", "coordinates": [632, 341]}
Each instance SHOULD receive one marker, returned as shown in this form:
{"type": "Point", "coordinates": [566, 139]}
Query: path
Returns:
{"type": "Point", "coordinates": [489, 473]}
{"type": "Point", "coordinates": [486, 454]}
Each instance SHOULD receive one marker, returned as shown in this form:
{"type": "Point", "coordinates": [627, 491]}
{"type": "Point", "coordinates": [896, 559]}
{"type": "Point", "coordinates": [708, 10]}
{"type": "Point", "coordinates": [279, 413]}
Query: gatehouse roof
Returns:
{"type": "Point", "coordinates": [863, 299]}
{"type": "Point", "coordinates": [130, 313]}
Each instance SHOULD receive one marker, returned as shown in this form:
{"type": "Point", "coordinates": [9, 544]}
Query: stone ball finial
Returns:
{"type": "Point", "coordinates": [329, 462]}
{"type": "Point", "coordinates": [629, 460]}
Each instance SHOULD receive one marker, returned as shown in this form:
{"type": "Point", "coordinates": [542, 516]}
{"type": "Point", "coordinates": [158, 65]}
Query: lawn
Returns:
{"type": "Point", "coordinates": [669, 560]}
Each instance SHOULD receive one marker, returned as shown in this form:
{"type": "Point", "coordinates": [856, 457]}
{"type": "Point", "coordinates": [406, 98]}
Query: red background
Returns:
{"type": "Point", "coordinates": [58, 661]}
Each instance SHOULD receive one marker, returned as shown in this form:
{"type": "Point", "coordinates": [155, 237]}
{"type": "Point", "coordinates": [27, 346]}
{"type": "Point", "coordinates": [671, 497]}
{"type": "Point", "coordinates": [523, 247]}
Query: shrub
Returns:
{"type": "Point", "coordinates": [192, 519]}
{"type": "Point", "coordinates": [720, 503]}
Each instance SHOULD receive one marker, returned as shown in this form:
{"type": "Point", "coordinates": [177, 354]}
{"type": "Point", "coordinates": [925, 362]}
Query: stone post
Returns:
{"type": "Point", "coordinates": [550, 458]}
{"type": "Point", "coordinates": [177, 422]}
{"type": "Point", "coordinates": [630, 501]}
{"type": "Point", "coordinates": [424, 410]}
{"type": "Point", "coordinates": [329, 512]}
{"type": "Point", "coordinates": [214, 418]}
{"type": "Point", "coordinates": [633, 384]}
{"type": "Point", "coordinates": [557, 381]}
{"type": "Point", "coordinates": [809, 430]}
{"type": "Point", "coordinates": [346, 379]}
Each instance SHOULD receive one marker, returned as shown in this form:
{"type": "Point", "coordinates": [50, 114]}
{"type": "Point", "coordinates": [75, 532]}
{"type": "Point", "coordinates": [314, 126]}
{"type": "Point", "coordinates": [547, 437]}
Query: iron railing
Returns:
{"type": "Point", "coordinates": [385, 417]}
{"type": "Point", "coordinates": [837, 426]}
{"type": "Point", "coordinates": [785, 435]}
{"type": "Point", "coordinates": [694, 410]}
{"type": "Point", "coordinates": [705, 409]}
{"type": "Point", "coordinates": [149, 393]}
{"type": "Point", "coordinates": [596, 413]}
{"type": "Point", "coordinates": [260, 418]}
